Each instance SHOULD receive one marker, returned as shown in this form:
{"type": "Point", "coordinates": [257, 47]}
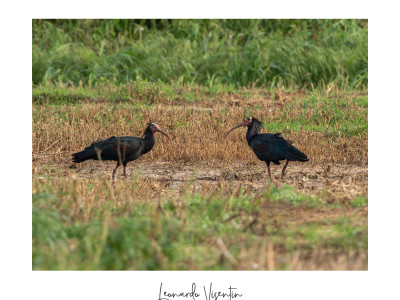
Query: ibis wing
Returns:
{"type": "Point", "coordinates": [119, 148]}
{"type": "Point", "coordinates": [273, 147]}
{"type": "Point", "coordinates": [269, 147]}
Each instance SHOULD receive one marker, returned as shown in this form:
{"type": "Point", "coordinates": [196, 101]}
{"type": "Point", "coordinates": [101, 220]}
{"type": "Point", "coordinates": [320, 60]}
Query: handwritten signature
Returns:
{"type": "Point", "coordinates": [193, 294]}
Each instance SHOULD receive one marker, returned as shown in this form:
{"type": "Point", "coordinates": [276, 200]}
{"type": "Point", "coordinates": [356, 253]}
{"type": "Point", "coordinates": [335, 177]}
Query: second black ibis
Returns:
{"type": "Point", "coordinates": [269, 147]}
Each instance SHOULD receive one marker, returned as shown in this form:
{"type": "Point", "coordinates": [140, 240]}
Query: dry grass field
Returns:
{"type": "Point", "coordinates": [203, 201]}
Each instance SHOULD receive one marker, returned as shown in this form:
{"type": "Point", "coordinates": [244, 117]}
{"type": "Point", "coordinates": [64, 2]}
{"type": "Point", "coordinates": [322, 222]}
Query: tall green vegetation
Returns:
{"type": "Point", "coordinates": [235, 53]}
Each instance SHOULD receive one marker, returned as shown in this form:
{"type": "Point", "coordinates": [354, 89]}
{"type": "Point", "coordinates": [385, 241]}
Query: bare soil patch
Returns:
{"type": "Point", "coordinates": [334, 182]}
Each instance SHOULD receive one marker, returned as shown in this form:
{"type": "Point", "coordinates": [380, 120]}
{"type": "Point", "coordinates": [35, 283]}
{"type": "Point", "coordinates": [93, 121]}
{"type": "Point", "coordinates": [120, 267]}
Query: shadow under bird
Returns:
{"type": "Point", "coordinates": [269, 146]}
{"type": "Point", "coordinates": [120, 149]}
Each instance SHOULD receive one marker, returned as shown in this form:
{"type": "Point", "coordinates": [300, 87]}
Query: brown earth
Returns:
{"type": "Point", "coordinates": [333, 182]}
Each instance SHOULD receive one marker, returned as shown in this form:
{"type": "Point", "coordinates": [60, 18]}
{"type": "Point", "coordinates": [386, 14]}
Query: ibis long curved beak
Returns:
{"type": "Point", "coordinates": [160, 131]}
{"type": "Point", "coordinates": [233, 128]}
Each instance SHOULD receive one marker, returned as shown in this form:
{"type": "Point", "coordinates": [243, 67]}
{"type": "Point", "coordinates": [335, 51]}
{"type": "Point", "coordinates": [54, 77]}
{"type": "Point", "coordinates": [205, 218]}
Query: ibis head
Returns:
{"type": "Point", "coordinates": [155, 128]}
{"type": "Point", "coordinates": [247, 122]}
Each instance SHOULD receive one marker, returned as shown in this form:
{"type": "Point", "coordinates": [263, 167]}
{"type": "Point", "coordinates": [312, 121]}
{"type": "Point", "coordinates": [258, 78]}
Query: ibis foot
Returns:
{"type": "Point", "coordinates": [114, 171]}
{"type": "Point", "coordinates": [284, 169]}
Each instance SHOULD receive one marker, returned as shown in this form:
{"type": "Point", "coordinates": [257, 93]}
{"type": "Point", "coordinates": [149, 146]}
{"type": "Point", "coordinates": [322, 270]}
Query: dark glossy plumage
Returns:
{"type": "Point", "coordinates": [120, 149]}
{"type": "Point", "coordinates": [270, 147]}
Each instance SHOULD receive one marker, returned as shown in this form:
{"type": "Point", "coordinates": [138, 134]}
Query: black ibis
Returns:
{"type": "Point", "coordinates": [121, 149]}
{"type": "Point", "coordinates": [268, 146]}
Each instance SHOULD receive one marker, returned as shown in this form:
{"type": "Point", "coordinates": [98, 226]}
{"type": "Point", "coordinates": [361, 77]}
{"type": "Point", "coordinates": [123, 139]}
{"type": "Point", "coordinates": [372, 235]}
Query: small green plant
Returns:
{"type": "Point", "coordinates": [359, 201]}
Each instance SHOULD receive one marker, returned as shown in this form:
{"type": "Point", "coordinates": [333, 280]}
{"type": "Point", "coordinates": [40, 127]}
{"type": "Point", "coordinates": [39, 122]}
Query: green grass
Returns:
{"type": "Point", "coordinates": [137, 92]}
{"type": "Point", "coordinates": [327, 117]}
{"type": "Point", "coordinates": [180, 234]}
{"type": "Point", "coordinates": [287, 194]}
{"type": "Point", "coordinates": [339, 233]}
{"type": "Point", "coordinates": [359, 201]}
{"type": "Point", "coordinates": [211, 53]}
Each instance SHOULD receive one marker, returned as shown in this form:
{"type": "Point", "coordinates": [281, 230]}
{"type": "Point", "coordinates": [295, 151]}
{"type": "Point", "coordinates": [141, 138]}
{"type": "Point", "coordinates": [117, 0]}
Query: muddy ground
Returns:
{"type": "Point", "coordinates": [342, 182]}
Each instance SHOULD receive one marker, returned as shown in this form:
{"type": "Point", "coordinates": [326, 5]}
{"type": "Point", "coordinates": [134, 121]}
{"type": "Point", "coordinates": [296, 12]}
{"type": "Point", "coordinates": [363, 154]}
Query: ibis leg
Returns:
{"type": "Point", "coordinates": [269, 171]}
{"type": "Point", "coordinates": [125, 171]}
{"type": "Point", "coordinates": [115, 170]}
{"type": "Point", "coordinates": [284, 168]}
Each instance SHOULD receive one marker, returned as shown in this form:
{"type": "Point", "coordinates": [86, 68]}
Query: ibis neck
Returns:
{"type": "Point", "coordinates": [251, 133]}
{"type": "Point", "coordinates": [149, 140]}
